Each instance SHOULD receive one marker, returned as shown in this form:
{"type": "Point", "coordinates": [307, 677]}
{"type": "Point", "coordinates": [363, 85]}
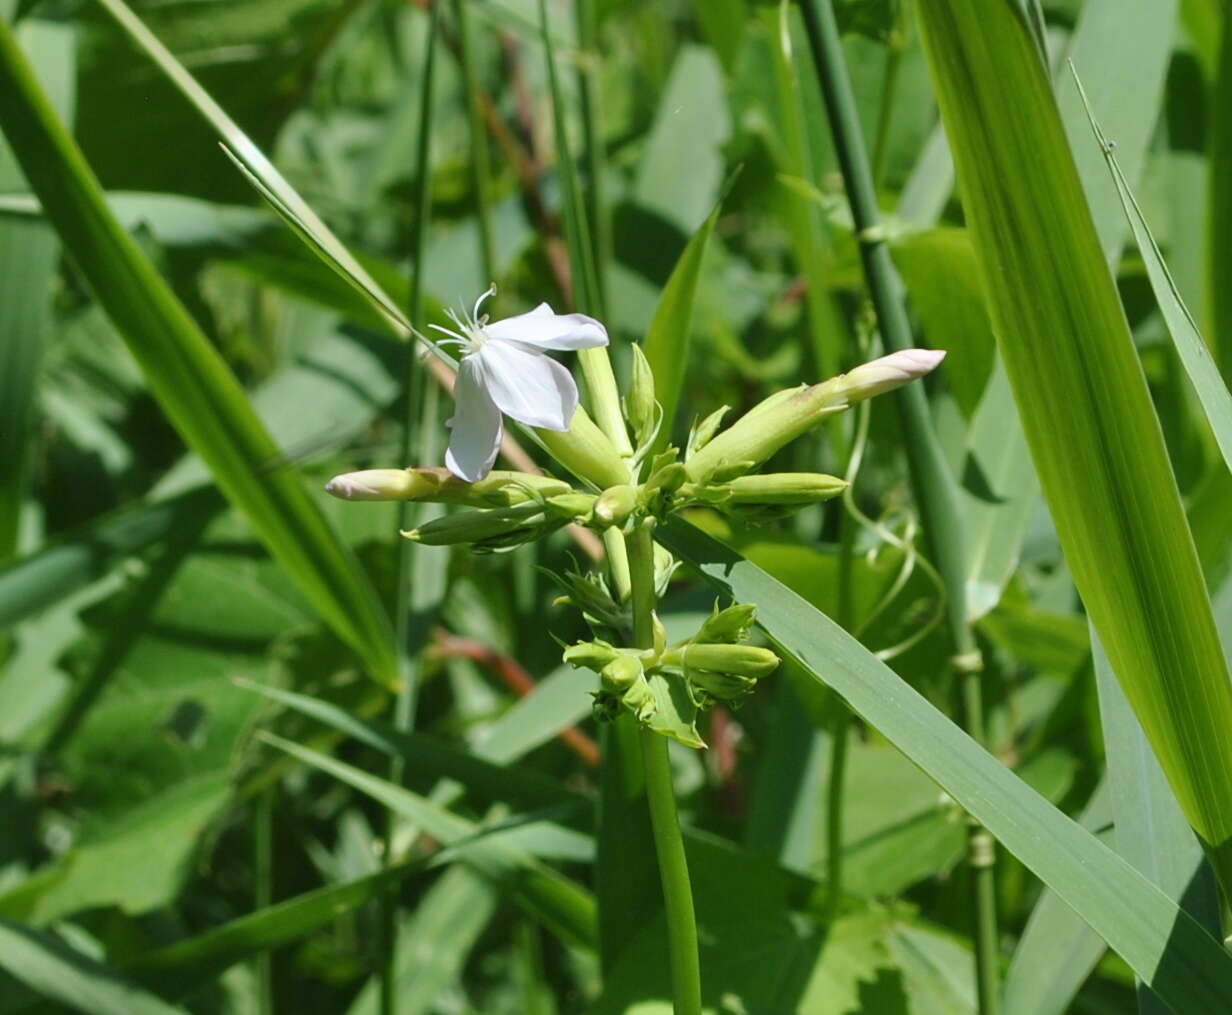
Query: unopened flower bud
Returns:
{"type": "Point", "coordinates": [783, 417]}
{"type": "Point", "coordinates": [501, 488]}
{"type": "Point", "coordinates": [641, 409]}
{"type": "Point", "coordinates": [703, 432]}
{"type": "Point", "coordinates": [593, 655]}
{"type": "Point", "coordinates": [887, 373]}
{"type": "Point", "coordinates": [480, 526]}
{"type": "Point", "coordinates": [622, 673]}
{"type": "Point", "coordinates": [727, 626]}
{"type": "Point", "coordinates": [378, 484]}
{"type": "Point", "coordinates": [743, 660]}
{"type": "Point", "coordinates": [784, 488]}
{"type": "Point", "coordinates": [616, 504]}
{"type": "Point", "coordinates": [668, 479]}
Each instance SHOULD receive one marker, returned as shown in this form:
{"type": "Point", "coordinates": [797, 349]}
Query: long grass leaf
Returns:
{"type": "Point", "coordinates": [1097, 444]}
{"type": "Point", "coordinates": [262, 173]}
{"type": "Point", "coordinates": [50, 968]}
{"type": "Point", "coordinates": [185, 372]}
{"type": "Point", "coordinates": [179, 968]}
{"type": "Point", "coordinates": [1195, 355]}
{"type": "Point", "coordinates": [1160, 942]}
{"type": "Point", "coordinates": [559, 902]}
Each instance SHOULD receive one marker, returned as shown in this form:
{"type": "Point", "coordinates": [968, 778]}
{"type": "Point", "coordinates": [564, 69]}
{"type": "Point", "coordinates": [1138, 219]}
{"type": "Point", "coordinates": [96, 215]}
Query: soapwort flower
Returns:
{"type": "Point", "coordinates": [505, 368]}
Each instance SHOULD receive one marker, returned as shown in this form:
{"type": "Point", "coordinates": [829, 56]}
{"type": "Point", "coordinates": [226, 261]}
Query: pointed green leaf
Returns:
{"type": "Point", "coordinates": [1090, 424]}
{"type": "Point", "coordinates": [1161, 943]}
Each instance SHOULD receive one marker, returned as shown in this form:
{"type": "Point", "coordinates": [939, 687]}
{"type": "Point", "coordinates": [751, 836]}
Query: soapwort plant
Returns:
{"type": "Point", "coordinates": [505, 369]}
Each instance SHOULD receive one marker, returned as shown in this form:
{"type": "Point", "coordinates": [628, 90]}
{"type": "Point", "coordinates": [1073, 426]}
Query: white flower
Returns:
{"type": "Point", "coordinates": [504, 369]}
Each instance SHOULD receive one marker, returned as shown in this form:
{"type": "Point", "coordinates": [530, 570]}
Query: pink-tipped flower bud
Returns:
{"type": "Point", "coordinates": [375, 484]}
{"type": "Point", "coordinates": [888, 372]}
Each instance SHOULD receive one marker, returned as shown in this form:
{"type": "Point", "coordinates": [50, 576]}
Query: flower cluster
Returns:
{"type": "Point", "coordinates": [504, 369]}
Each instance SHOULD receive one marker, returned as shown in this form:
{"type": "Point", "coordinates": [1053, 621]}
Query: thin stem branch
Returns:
{"type": "Point", "coordinates": [661, 798]}
{"type": "Point", "coordinates": [930, 479]}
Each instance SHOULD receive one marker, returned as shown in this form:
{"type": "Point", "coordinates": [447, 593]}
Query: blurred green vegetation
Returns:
{"type": "Point", "coordinates": [145, 828]}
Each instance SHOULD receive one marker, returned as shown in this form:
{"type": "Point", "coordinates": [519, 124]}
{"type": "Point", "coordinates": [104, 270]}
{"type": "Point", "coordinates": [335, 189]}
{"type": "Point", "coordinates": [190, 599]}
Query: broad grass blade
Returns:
{"type": "Point", "coordinates": [1057, 950]}
{"type": "Point", "coordinates": [1161, 942]}
{"type": "Point", "coordinates": [1092, 430]}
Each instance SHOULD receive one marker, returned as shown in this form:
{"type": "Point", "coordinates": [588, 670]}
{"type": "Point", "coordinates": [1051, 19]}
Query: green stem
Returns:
{"type": "Point", "coordinates": [932, 485]}
{"type": "Point", "coordinates": [661, 798]}
{"type": "Point", "coordinates": [409, 625]}
{"type": "Point", "coordinates": [480, 166]}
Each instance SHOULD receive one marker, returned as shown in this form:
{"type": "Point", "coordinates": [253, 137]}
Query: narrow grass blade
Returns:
{"type": "Point", "coordinates": [179, 968]}
{"type": "Point", "coordinates": [260, 171]}
{"type": "Point", "coordinates": [1160, 942]}
{"type": "Point", "coordinates": [55, 971]}
{"type": "Point", "coordinates": [185, 372]}
{"type": "Point", "coordinates": [667, 340]}
{"type": "Point", "coordinates": [1085, 406]}
{"type": "Point", "coordinates": [1193, 351]}
{"type": "Point", "coordinates": [556, 900]}
{"type": "Point", "coordinates": [424, 754]}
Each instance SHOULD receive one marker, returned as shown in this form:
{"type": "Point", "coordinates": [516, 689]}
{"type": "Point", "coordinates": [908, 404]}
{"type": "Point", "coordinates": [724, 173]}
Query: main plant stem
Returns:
{"type": "Point", "coordinates": [930, 479]}
{"type": "Point", "coordinates": [661, 798]}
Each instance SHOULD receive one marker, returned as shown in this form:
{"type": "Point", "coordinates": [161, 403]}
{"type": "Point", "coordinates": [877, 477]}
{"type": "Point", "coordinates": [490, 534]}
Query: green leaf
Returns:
{"type": "Point", "coordinates": [262, 173]}
{"type": "Point", "coordinates": [426, 755]}
{"type": "Point", "coordinates": [113, 865]}
{"type": "Point", "coordinates": [556, 900]}
{"type": "Point", "coordinates": [1151, 832]}
{"type": "Point", "coordinates": [667, 339]}
{"type": "Point", "coordinates": [1057, 950]}
{"type": "Point", "coordinates": [1219, 222]}
{"type": "Point", "coordinates": [1162, 943]}
{"type": "Point", "coordinates": [434, 943]}
{"type": "Point", "coordinates": [34, 582]}
{"type": "Point", "coordinates": [28, 256]}
{"type": "Point", "coordinates": [1085, 406]}
{"type": "Point", "coordinates": [186, 373]}
{"type": "Point", "coordinates": [689, 130]}
{"type": "Point", "coordinates": [55, 971]}
{"type": "Point", "coordinates": [181, 967]}
{"type": "Point", "coordinates": [1194, 354]}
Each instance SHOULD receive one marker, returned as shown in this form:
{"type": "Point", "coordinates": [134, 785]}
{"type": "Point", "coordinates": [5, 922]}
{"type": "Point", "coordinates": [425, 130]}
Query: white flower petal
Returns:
{"type": "Point", "coordinates": [529, 386]}
{"type": "Point", "coordinates": [543, 329]}
{"type": "Point", "coordinates": [476, 424]}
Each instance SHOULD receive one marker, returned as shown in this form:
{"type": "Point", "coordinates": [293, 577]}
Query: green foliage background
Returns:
{"type": "Point", "coordinates": [159, 853]}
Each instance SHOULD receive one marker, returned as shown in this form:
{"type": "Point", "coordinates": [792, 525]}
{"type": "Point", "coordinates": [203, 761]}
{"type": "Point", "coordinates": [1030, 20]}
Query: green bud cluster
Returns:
{"type": "Point", "coordinates": [712, 666]}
